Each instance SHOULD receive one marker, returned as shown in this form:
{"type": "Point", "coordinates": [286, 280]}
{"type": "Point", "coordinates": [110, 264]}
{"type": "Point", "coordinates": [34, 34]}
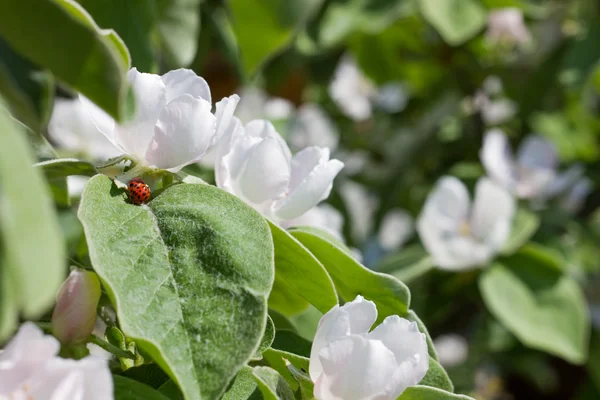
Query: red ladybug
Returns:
{"type": "Point", "coordinates": [139, 192]}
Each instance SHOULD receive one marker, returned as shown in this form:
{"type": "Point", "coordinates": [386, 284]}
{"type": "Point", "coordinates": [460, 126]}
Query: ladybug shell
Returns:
{"type": "Point", "coordinates": [139, 192]}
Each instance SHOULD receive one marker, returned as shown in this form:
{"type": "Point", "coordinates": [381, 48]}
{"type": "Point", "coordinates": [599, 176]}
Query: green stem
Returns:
{"type": "Point", "coordinates": [167, 180]}
{"type": "Point", "coordinates": [110, 348]}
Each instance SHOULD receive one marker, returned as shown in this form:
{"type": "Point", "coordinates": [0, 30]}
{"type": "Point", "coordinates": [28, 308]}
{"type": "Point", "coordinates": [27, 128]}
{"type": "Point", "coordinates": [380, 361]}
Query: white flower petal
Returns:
{"type": "Point", "coordinates": [355, 368]}
{"type": "Point", "coordinates": [450, 200]}
{"type": "Point", "coordinates": [312, 127]}
{"type": "Point", "coordinates": [71, 127]}
{"type": "Point", "coordinates": [264, 129]}
{"type": "Point", "coordinates": [537, 153]}
{"type": "Point", "coordinates": [277, 108]}
{"type": "Point", "coordinates": [507, 24]}
{"type": "Point", "coordinates": [225, 119]}
{"type": "Point", "coordinates": [575, 198]}
{"type": "Point", "coordinates": [323, 216]}
{"type": "Point", "coordinates": [311, 182]}
{"type": "Point", "coordinates": [452, 349]}
{"type": "Point", "coordinates": [88, 378]}
{"type": "Point", "coordinates": [396, 229]}
{"type": "Point", "coordinates": [496, 156]}
{"type": "Point", "coordinates": [150, 97]}
{"type": "Point", "coordinates": [26, 352]}
{"type": "Point", "coordinates": [493, 211]}
{"type": "Point", "coordinates": [355, 317]}
{"type": "Point", "coordinates": [266, 174]}
{"type": "Point", "coordinates": [409, 346]}
{"type": "Point", "coordinates": [183, 133]}
{"type": "Point", "coordinates": [185, 81]}
{"type": "Point", "coordinates": [103, 122]}
{"type": "Point", "coordinates": [392, 97]}
{"type": "Point", "coordinates": [351, 90]}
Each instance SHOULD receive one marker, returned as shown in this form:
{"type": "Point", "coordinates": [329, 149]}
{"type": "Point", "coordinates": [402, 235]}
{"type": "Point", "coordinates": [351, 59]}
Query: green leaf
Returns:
{"type": "Point", "coordinates": [32, 256]}
{"type": "Point", "coordinates": [305, 384]}
{"type": "Point", "coordinates": [64, 39]}
{"type": "Point", "coordinates": [178, 29]}
{"type": "Point", "coordinates": [265, 27]}
{"type": "Point", "coordinates": [299, 277]}
{"type": "Point", "coordinates": [341, 18]}
{"type": "Point", "coordinates": [525, 225]}
{"type": "Point", "coordinates": [128, 389]}
{"type": "Point", "coordinates": [412, 316]}
{"type": "Point", "coordinates": [528, 296]}
{"type": "Point", "coordinates": [410, 273]}
{"type": "Point", "coordinates": [391, 296]}
{"type": "Point", "coordinates": [437, 377]}
{"type": "Point", "coordinates": [134, 21]}
{"type": "Point", "coordinates": [271, 384]}
{"type": "Point", "coordinates": [291, 347]}
{"type": "Point", "coordinates": [456, 20]}
{"type": "Point", "coordinates": [28, 91]}
{"type": "Point", "coordinates": [171, 390]}
{"type": "Point", "coordinates": [403, 258]}
{"type": "Point", "coordinates": [179, 270]}
{"type": "Point", "coordinates": [266, 340]}
{"type": "Point", "coordinates": [63, 167]}
{"type": "Point", "coordinates": [419, 392]}
{"type": "Point", "coordinates": [244, 386]}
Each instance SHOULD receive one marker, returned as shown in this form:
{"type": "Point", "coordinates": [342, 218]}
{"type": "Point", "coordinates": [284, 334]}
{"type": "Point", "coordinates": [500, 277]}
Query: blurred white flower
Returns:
{"type": "Point", "coordinates": [361, 206]}
{"type": "Point", "coordinates": [323, 216]}
{"type": "Point", "coordinates": [355, 94]}
{"type": "Point", "coordinates": [76, 184]}
{"type": "Point", "coordinates": [349, 362]}
{"type": "Point", "coordinates": [506, 25]}
{"type": "Point", "coordinates": [529, 174]}
{"type": "Point", "coordinates": [494, 112]}
{"type": "Point", "coordinates": [392, 97]}
{"type": "Point", "coordinates": [452, 349]}
{"type": "Point", "coordinates": [31, 369]}
{"type": "Point", "coordinates": [257, 166]}
{"type": "Point", "coordinates": [312, 127]}
{"type": "Point", "coordinates": [354, 160]}
{"type": "Point", "coordinates": [71, 128]}
{"type": "Point", "coordinates": [351, 90]}
{"type": "Point", "coordinates": [173, 125]}
{"type": "Point", "coordinates": [492, 85]}
{"type": "Point", "coordinates": [256, 104]}
{"type": "Point", "coordinates": [396, 228]}
{"type": "Point", "coordinates": [459, 235]}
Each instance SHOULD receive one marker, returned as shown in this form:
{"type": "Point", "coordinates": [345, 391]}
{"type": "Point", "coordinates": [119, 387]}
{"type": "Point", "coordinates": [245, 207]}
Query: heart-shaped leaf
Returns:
{"type": "Point", "coordinates": [179, 271]}
{"type": "Point", "coordinates": [530, 297]}
{"type": "Point", "coordinates": [456, 20]}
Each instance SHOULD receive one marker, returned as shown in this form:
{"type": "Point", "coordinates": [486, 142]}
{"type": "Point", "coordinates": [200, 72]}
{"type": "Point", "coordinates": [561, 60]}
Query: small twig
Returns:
{"type": "Point", "coordinates": [110, 348]}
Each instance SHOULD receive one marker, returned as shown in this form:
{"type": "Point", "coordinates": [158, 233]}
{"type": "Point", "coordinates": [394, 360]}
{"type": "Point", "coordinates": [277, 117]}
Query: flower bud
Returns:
{"type": "Point", "coordinates": [75, 312]}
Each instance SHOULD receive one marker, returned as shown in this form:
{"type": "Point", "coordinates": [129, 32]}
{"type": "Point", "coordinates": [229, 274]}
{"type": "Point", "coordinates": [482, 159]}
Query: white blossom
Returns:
{"type": "Point", "coordinates": [361, 205]}
{"type": "Point", "coordinates": [31, 369]}
{"type": "Point", "coordinates": [459, 235]}
{"type": "Point", "coordinates": [257, 166]}
{"type": "Point", "coordinates": [506, 25]}
{"type": "Point", "coordinates": [348, 362]}
{"type": "Point", "coordinates": [452, 349]}
{"type": "Point", "coordinates": [396, 228]}
{"type": "Point", "coordinates": [526, 176]}
{"type": "Point", "coordinates": [256, 104]}
{"type": "Point", "coordinates": [351, 90]}
{"type": "Point", "coordinates": [312, 127]}
{"type": "Point", "coordinates": [173, 125]}
{"type": "Point", "coordinates": [71, 128]}
{"type": "Point", "coordinates": [323, 216]}
{"type": "Point", "coordinates": [356, 95]}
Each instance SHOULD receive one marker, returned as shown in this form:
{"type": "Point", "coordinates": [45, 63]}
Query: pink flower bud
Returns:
{"type": "Point", "coordinates": [75, 312]}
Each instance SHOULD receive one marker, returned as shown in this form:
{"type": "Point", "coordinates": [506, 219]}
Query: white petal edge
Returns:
{"type": "Point", "coordinates": [183, 133]}
{"type": "Point", "coordinates": [185, 81]}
